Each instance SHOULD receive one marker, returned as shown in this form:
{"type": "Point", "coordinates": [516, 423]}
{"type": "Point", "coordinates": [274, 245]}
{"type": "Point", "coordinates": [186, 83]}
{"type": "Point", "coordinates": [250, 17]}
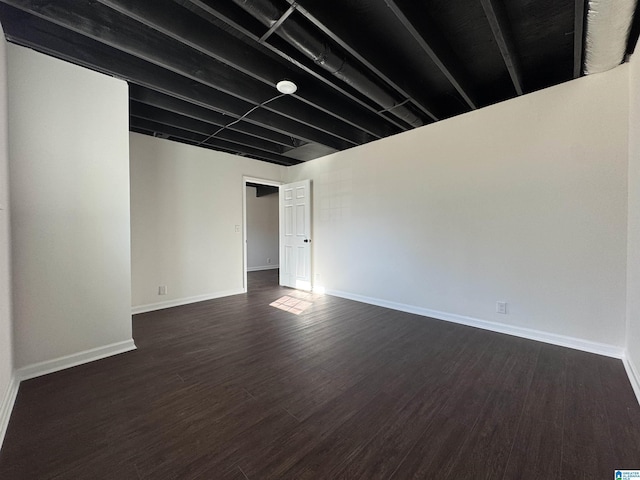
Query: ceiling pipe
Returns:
{"type": "Point", "coordinates": [320, 52]}
{"type": "Point", "coordinates": [608, 26]}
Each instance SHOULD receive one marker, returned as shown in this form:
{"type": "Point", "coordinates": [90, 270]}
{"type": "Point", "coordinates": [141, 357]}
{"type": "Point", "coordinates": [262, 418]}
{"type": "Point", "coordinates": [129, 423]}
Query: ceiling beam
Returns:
{"type": "Point", "coordinates": [148, 112]}
{"type": "Point", "coordinates": [332, 60]}
{"type": "Point", "coordinates": [151, 133]}
{"type": "Point", "coordinates": [184, 26]}
{"type": "Point", "coordinates": [500, 27]}
{"type": "Point", "coordinates": [172, 104]}
{"type": "Point", "coordinates": [153, 47]}
{"type": "Point", "coordinates": [214, 142]}
{"type": "Point", "coordinates": [437, 49]}
{"type": "Point", "coordinates": [46, 37]}
{"type": "Point", "coordinates": [212, 9]}
{"type": "Point", "coordinates": [578, 38]}
{"type": "Point", "coordinates": [405, 91]}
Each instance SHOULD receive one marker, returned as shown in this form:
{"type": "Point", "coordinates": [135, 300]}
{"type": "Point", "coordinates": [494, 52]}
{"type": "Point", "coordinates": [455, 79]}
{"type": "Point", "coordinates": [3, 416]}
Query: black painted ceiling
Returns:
{"type": "Point", "coordinates": [203, 72]}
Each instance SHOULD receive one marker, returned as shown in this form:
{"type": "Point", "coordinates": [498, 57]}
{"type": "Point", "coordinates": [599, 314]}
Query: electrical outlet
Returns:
{"type": "Point", "coordinates": [268, 260]}
{"type": "Point", "coordinates": [501, 307]}
{"type": "Point", "coordinates": [162, 290]}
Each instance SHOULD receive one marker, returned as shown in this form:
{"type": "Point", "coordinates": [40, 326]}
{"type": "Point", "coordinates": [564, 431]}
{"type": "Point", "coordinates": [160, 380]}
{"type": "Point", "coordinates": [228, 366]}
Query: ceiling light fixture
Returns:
{"type": "Point", "coordinates": [287, 87]}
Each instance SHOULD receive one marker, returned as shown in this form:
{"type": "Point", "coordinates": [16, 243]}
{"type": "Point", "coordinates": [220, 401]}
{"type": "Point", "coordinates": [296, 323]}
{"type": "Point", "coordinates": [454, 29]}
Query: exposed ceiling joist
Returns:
{"type": "Point", "coordinates": [165, 17]}
{"type": "Point", "coordinates": [149, 46]}
{"type": "Point", "coordinates": [578, 37]}
{"type": "Point", "coordinates": [215, 119]}
{"type": "Point", "coordinates": [47, 37]}
{"type": "Point", "coordinates": [345, 38]}
{"type": "Point", "coordinates": [434, 46]}
{"type": "Point", "coordinates": [203, 72]}
{"type": "Point", "coordinates": [321, 52]}
{"type": "Point", "coordinates": [498, 21]}
{"type": "Point", "coordinates": [148, 112]}
{"type": "Point", "coordinates": [210, 9]}
{"type": "Point", "coordinates": [197, 139]}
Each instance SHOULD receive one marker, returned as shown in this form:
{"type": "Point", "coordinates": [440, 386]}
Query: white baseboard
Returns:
{"type": "Point", "coordinates": [183, 301]}
{"type": "Point", "coordinates": [539, 335]}
{"type": "Point", "coordinates": [264, 267]}
{"type": "Point", "coordinates": [6, 407]}
{"type": "Point", "coordinates": [634, 376]}
{"type": "Point", "coordinates": [68, 361]}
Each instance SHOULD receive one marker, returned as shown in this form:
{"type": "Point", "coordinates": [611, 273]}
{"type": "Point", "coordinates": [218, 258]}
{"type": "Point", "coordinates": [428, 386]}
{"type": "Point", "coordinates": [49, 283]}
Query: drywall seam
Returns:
{"type": "Point", "coordinates": [634, 376]}
{"type": "Point", "coordinates": [151, 307]}
{"type": "Point", "coordinates": [538, 335]}
{"type": "Point", "coordinates": [68, 361]}
{"type": "Point", "coordinates": [7, 406]}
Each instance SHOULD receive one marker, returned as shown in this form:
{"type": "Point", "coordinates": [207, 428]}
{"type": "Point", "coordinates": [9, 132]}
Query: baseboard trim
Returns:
{"type": "Point", "coordinates": [531, 334]}
{"type": "Point", "coordinates": [6, 407]}
{"type": "Point", "coordinates": [634, 376]}
{"type": "Point", "coordinates": [68, 361]}
{"type": "Point", "coordinates": [264, 267]}
{"type": "Point", "coordinates": [152, 307]}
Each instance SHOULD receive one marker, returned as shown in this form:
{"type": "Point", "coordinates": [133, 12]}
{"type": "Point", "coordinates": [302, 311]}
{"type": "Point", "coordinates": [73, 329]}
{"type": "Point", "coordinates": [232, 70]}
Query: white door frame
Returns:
{"type": "Point", "coordinates": [259, 181]}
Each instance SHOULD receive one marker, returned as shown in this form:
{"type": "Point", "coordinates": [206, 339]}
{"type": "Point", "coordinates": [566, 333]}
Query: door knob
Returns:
{"type": "Point", "coordinates": [306, 240]}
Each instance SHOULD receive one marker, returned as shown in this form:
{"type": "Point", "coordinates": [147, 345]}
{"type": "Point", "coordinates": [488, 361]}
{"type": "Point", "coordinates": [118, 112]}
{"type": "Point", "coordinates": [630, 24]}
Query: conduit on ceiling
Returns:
{"type": "Point", "coordinates": [318, 50]}
{"type": "Point", "coordinates": [608, 26]}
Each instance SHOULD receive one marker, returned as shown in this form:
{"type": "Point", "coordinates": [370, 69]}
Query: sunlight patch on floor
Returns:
{"type": "Point", "coordinates": [296, 302]}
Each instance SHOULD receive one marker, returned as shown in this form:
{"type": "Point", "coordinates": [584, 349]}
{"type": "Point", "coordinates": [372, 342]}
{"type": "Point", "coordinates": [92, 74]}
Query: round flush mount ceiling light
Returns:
{"type": "Point", "coordinates": [287, 87]}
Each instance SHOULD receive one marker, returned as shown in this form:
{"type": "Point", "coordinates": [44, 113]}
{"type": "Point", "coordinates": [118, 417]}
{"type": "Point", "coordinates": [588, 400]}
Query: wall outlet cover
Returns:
{"type": "Point", "coordinates": [501, 307]}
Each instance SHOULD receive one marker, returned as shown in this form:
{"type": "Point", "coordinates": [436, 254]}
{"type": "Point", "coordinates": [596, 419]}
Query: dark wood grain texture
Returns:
{"type": "Point", "coordinates": [236, 389]}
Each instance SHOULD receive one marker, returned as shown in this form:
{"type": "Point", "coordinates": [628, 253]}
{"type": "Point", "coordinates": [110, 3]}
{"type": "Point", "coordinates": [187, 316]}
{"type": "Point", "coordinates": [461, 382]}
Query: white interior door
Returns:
{"type": "Point", "coordinates": [295, 235]}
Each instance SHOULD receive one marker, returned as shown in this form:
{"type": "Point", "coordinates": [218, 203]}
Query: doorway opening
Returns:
{"type": "Point", "coordinates": [261, 233]}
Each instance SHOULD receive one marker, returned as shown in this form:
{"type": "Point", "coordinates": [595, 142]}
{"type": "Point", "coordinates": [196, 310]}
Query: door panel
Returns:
{"type": "Point", "coordinates": [295, 235]}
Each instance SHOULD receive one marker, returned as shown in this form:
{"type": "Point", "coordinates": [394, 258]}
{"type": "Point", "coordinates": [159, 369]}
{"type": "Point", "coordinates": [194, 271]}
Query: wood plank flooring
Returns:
{"type": "Point", "coordinates": [234, 388]}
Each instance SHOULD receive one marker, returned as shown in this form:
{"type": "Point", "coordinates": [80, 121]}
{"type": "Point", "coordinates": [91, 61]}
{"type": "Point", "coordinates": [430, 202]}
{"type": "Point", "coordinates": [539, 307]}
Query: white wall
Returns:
{"type": "Point", "coordinates": [69, 186]}
{"type": "Point", "coordinates": [6, 347]}
{"type": "Point", "coordinates": [633, 252]}
{"type": "Point", "coordinates": [524, 202]}
{"type": "Point", "coordinates": [263, 241]}
{"type": "Point", "coordinates": [185, 205]}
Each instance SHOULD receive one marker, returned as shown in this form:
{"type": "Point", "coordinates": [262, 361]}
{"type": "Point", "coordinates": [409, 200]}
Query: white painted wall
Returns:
{"type": "Point", "coordinates": [185, 205]}
{"type": "Point", "coordinates": [633, 252]}
{"type": "Point", "coordinates": [6, 347]}
{"type": "Point", "coordinates": [262, 231]}
{"type": "Point", "coordinates": [524, 201]}
{"type": "Point", "coordinates": [69, 186]}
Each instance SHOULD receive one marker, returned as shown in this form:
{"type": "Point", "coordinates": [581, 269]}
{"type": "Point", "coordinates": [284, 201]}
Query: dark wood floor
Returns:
{"type": "Point", "coordinates": [236, 389]}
